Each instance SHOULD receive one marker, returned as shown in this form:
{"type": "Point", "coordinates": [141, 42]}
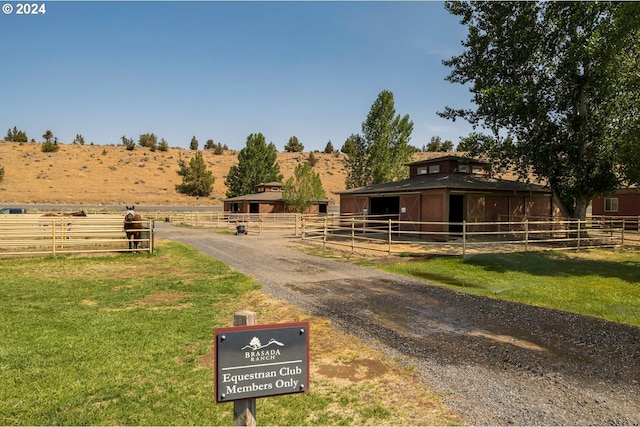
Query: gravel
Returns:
{"type": "Point", "coordinates": [493, 362]}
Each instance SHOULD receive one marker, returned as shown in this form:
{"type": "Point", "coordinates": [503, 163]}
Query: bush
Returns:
{"type": "Point", "coordinates": [49, 147]}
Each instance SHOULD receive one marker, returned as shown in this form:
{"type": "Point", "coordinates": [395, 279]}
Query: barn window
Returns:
{"type": "Point", "coordinates": [611, 204]}
{"type": "Point", "coordinates": [434, 169]}
{"type": "Point", "coordinates": [422, 170]}
{"type": "Point", "coordinates": [477, 169]}
{"type": "Point", "coordinates": [463, 168]}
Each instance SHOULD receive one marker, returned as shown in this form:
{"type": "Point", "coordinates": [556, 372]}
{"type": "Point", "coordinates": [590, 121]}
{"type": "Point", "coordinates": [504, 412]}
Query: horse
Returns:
{"type": "Point", "coordinates": [133, 227]}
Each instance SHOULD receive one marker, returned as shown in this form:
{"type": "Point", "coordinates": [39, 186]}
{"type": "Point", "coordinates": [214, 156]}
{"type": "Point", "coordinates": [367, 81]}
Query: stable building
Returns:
{"type": "Point", "coordinates": [268, 199]}
{"type": "Point", "coordinates": [449, 190]}
{"type": "Point", "coordinates": [625, 202]}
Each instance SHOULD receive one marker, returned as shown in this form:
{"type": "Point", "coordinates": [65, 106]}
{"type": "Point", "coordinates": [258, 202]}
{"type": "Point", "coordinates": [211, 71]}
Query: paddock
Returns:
{"type": "Point", "coordinates": [37, 234]}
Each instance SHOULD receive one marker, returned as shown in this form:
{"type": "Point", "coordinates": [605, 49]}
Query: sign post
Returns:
{"type": "Point", "coordinates": [259, 361]}
{"type": "Point", "coordinates": [244, 411]}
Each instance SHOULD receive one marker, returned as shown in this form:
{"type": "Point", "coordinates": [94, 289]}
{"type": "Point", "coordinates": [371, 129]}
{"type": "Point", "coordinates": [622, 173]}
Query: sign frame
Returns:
{"type": "Point", "coordinates": [283, 354]}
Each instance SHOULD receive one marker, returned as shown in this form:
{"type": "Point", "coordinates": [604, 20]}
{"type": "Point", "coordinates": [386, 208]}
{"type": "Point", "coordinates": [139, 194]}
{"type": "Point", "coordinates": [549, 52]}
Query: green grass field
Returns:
{"type": "Point", "coordinates": [603, 283]}
{"type": "Point", "coordinates": [127, 340]}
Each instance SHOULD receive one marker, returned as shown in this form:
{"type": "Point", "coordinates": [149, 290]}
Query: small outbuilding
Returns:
{"type": "Point", "coordinates": [449, 189]}
{"type": "Point", "coordinates": [268, 199]}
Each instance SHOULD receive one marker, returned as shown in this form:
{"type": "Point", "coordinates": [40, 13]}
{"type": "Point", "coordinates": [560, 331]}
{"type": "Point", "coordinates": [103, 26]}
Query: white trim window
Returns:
{"type": "Point", "coordinates": [611, 204]}
{"type": "Point", "coordinates": [434, 169]}
{"type": "Point", "coordinates": [422, 170]}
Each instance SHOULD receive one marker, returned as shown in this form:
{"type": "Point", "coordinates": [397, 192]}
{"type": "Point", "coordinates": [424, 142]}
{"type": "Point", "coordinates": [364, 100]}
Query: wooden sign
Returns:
{"type": "Point", "coordinates": [261, 360]}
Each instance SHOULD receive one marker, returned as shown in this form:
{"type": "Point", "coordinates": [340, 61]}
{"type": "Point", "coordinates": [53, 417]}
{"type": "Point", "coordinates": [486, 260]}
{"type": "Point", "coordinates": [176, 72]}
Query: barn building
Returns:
{"type": "Point", "coordinates": [624, 202]}
{"type": "Point", "coordinates": [449, 188]}
{"type": "Point", "coordinates": [268, 199]}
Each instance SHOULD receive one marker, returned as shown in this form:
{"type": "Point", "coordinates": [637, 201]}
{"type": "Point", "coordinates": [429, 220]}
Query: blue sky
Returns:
{"type": "Point", "coordinates": [224, 70]}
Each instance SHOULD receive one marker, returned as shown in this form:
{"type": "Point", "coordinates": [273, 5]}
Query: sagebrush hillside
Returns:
{"type": "Point", "coordinates": [111, 175]}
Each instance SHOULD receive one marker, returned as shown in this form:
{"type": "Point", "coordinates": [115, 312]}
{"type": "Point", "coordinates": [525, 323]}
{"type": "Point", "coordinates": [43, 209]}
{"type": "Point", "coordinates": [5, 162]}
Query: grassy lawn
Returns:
{"type": "Point", "coordinates": [604, 283]}
{"type": "Point", "coordinates": [127, 340]}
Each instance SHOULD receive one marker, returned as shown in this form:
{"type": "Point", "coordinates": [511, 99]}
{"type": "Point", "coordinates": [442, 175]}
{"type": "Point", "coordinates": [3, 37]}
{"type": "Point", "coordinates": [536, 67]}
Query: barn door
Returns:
{"type": "Point", "coordinates": [361, 203]}
{"type": "Point", "coordinates": [410, 204]}
{"type": "Point", "coordinates": [475, 211]}
{"type": "Point", "coordinates": [475, 208]}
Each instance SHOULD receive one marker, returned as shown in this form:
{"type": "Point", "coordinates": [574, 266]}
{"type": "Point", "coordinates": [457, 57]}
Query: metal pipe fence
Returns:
{"type": "Point", "coordinates": [29, 235]}
{"type": "Point", "coordinates": [393, 236]}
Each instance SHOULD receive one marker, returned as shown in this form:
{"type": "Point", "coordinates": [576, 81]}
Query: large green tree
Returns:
{"type": "Point", "coordinates": [381, 152]}
{"type": "Point", "coordinates": [556, 90]}
{"type": "Point", "coordinates": [257, 164]}
{"type": "Point", "coordinates": [303, 189]}
{"type": "Point", "coordinates": [197, 180]}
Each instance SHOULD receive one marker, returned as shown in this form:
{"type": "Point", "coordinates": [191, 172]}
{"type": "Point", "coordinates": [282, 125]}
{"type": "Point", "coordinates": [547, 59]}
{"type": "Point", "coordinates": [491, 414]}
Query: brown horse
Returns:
{"type": "Point", "coordinates": [132, 226]}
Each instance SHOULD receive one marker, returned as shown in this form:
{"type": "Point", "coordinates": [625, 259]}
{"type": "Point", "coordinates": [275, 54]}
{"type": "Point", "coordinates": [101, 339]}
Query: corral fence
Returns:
{"type": "Point", "coordinates": [389, 234]}
{"type": "Point", "coordinates": [243, 223]}
{"type": "Point", "coordinates": [36, 234]}
{"type": "Point", "coordinates": [385, 234]}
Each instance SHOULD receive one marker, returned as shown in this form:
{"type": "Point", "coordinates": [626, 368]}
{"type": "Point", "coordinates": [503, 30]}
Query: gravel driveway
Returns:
{"type": "Point", "coordinates": [494, 362]}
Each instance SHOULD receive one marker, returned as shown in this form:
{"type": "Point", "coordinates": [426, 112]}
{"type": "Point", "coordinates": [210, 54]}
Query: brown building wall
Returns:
{"type": "Point", "coordinates": [628, 205]}
{"type": "Point", "coordinates": [496, 208]}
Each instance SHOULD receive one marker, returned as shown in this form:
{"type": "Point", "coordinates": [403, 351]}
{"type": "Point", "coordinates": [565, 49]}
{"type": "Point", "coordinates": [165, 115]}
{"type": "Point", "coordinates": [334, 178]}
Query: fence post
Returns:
{"type": "Point", "coordinates": [464, 237]}
{"type": "Point", "coordinates": [324, 234]}
{"type": "Point", "coordinates": [526, 235]}
{"type": "Point", "coordinates": [579, 233]}
{"type": "Point", "coordinates": [389, 236]}
{"type": "Point", "coordinates": [353, 234]}
{"type": "Point", "coordinates": [151, 241]}
{"type": "Point", "coordinates": [302, 225]}
{"type": "Point", "coordinates": [622, 234]}
{"type": "Point", "coordinates": [53, 238]}
{"type": "Point", "coordinates": [244, 411]}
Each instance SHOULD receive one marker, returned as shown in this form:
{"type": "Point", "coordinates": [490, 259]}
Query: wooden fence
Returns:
{"type": "Point", "coordinates": [35, 234]}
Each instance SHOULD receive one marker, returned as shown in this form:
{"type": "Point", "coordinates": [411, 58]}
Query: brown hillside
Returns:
{"type": "Point", "coordinates": [111, 175]}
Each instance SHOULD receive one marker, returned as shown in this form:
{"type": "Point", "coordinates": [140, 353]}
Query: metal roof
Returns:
{"type": "Point", "coordinates": [450, 181]}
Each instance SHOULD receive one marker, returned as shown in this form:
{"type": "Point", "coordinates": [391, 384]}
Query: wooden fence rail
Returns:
{"type": "Point", "coordinates": [27, 235]}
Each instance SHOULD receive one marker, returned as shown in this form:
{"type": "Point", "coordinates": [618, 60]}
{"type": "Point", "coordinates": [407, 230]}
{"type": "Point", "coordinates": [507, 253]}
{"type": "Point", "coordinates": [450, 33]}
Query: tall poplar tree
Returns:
{"type": "Point", "coordinates": [556, 90]}
{"type": "Point", "coordinates": [381, 152]}
{"type": "Point", "coordinates": [257, 164]}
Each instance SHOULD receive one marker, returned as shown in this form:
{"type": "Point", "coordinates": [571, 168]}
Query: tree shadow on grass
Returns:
{"type": "Point", "coordinates": [557, 264]}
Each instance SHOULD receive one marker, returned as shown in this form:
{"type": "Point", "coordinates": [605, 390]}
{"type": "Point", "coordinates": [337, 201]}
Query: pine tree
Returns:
{"type": "Point", "coordinates": [197, 180]}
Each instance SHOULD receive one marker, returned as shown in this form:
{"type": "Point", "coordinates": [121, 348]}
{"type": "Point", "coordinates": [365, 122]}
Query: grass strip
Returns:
{"type": "Point", "coordinates": [604, 283]}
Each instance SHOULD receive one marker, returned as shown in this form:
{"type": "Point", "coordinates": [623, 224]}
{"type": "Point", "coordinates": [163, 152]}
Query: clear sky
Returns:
{"type": "Point", "coordinates": [224, 70]}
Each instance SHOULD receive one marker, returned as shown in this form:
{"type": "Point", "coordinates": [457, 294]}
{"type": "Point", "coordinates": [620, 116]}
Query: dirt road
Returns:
{"type": "Point", "coordinates": [494, 362]}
